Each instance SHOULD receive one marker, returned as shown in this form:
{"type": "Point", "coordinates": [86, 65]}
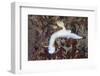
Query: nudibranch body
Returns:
{"type": "Point", "coordinates": [61, 33]}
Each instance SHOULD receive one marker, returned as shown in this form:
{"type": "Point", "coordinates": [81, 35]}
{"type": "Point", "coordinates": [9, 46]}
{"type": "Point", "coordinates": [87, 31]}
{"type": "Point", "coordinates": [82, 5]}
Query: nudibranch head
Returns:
{"type": "Point", "coordinates": [51, 50]}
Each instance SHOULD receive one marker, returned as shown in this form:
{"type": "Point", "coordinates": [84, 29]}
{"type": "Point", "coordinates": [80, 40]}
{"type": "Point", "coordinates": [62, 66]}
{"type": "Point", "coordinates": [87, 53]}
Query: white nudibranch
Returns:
{"type": "Point", "coordinates": [61, 33]}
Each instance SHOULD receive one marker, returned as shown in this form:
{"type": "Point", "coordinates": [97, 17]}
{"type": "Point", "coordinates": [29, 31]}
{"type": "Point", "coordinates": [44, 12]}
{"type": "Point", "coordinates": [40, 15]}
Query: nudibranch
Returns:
{"type": "Point", "coordinates": [63, 33]}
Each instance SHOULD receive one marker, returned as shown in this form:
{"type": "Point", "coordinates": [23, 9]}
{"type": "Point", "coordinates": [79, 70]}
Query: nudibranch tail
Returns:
{"type": "Point", "coordinates": [75, 36]}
